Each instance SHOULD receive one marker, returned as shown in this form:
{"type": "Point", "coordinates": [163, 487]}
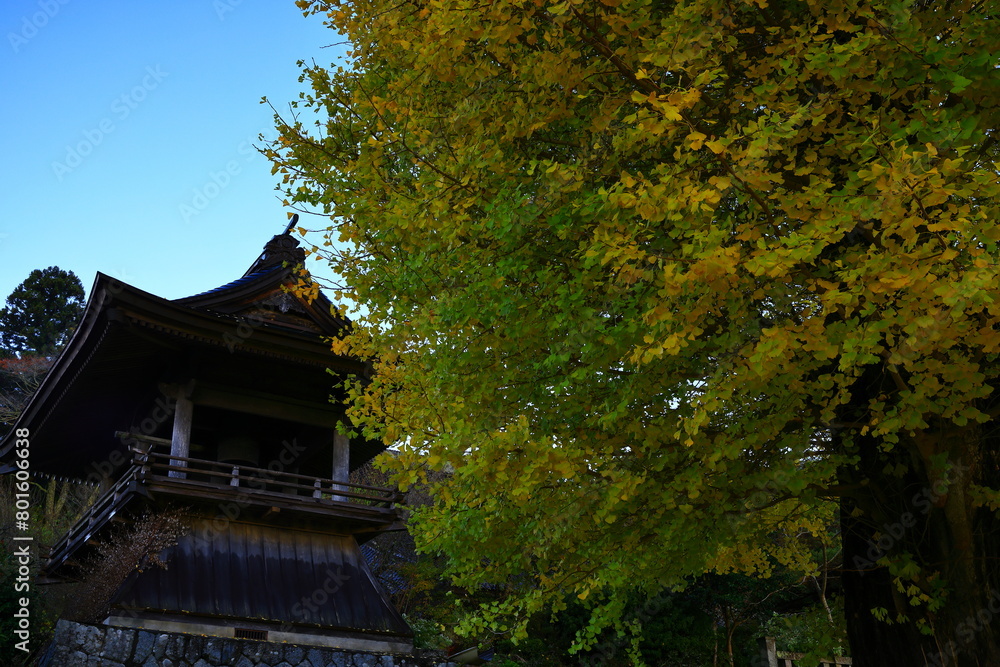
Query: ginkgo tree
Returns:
{"type": "Point", "coordinates": [663, 282]}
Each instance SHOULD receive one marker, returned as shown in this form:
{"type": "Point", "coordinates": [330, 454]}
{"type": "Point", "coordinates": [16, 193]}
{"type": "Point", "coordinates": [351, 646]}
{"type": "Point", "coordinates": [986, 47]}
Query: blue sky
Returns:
{"type": "Point", "coordinates": [129, 131]}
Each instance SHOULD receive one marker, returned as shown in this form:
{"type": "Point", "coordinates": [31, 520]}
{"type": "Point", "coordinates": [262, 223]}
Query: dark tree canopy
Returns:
{"type": "Point", "coordinates": [41, 312]}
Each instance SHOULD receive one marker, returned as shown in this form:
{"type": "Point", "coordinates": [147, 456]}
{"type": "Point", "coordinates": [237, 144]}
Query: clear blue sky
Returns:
{"type": "Point", "coordinates": [128, 130]}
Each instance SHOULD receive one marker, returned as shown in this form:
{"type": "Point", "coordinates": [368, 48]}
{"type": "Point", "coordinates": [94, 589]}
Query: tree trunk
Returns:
{"type": "Point", "coordinates": [928, 514]}
{"type": "Point", "coordinates": [715, 645]}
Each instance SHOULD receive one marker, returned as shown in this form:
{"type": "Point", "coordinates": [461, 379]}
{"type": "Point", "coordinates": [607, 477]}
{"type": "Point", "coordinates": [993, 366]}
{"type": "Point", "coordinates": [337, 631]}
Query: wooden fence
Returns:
{"type": "Point", "coordinates": [771, 657]}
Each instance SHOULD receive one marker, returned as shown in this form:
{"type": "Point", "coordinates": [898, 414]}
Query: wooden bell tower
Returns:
{"type": "Point", "coordinates": [224, 404]}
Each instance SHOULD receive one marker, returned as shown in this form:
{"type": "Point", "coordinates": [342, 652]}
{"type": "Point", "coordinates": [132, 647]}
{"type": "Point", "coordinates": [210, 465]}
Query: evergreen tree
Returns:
{"type": "Point", "coordinates": [41, 312]}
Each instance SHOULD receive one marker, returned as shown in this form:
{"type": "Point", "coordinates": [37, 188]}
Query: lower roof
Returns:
{"type": "Point", "coordinates": [266, 574]}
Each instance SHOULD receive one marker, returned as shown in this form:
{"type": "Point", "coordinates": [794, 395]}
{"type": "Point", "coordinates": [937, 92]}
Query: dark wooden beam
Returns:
{"type": "Point", "coordinates": [324, 415]}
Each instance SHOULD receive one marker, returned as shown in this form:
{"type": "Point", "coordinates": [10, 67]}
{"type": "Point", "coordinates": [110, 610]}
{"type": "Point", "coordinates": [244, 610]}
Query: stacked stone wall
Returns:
{"type": "Point", "coordinates": [81, 645]}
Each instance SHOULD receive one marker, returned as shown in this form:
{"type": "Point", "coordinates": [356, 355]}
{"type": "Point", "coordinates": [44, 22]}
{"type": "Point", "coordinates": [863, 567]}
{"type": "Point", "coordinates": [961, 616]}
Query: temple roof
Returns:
{"type": "Point", "coordinates": [267, 289]}
{"type": "Point", "coordinates": [253, 334]}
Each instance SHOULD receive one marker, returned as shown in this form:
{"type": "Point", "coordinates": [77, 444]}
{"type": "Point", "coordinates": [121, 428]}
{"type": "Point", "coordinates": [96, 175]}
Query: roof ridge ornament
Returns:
{"type": "Point", "coordinates": [280, 250]}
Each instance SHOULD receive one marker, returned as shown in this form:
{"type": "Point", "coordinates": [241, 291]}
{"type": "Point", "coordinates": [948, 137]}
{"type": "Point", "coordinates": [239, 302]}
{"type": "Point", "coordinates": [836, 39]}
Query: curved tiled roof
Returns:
{"type": "Point", "coordinates": [239, 282]}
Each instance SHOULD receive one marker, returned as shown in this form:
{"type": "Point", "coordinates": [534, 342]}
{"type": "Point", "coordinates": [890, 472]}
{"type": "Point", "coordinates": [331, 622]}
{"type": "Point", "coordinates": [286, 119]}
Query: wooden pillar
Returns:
{"type": "Point", "coordinates": [341, 462]}
{"type": "Point", "coordinates": [768, 652]}
{"type": "Point", "coordinates": [180, 441]}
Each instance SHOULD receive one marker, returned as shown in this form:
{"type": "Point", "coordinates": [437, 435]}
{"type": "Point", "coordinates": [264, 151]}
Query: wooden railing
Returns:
{"type": "Point", "coordinates": [155, 465]}
{"type": "Point", "coordinates": [186, 476]}
{"type": "Point", "coordinates": [98, 514]}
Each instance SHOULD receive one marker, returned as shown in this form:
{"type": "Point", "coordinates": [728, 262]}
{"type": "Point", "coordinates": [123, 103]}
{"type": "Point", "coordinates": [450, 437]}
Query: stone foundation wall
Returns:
{"type": "Point", "coordinates": [80, 645]}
